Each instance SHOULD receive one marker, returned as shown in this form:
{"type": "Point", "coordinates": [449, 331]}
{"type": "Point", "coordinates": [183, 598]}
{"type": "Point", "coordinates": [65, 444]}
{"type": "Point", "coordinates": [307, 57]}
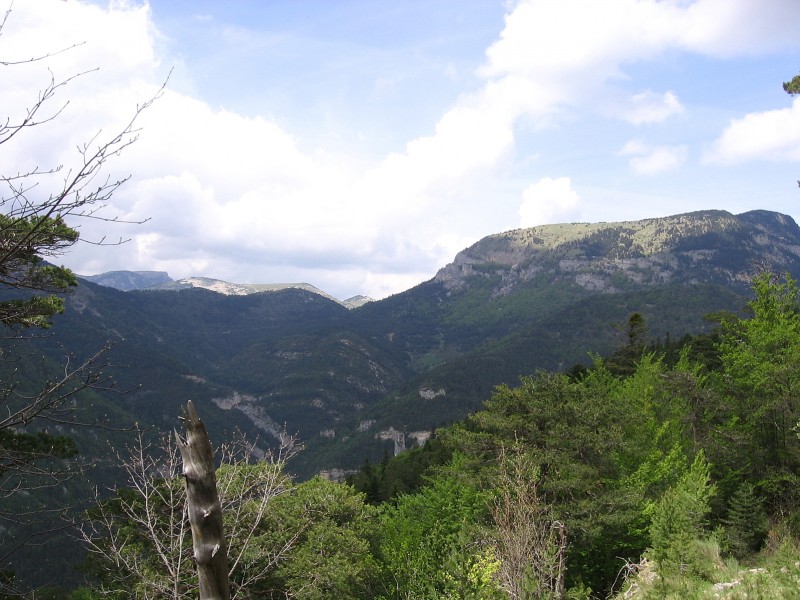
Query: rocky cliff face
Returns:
{"type": "Point", "coordinates": [709, 246]}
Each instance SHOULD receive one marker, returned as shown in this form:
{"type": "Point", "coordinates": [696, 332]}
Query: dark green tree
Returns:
{"type": "Point", "coordinates": [792, 87]}
{"type": "Point", "coordinates": [634, 343]}
{"type": "Point", "coordinates": [580, 435]}
{"type": "Point", "coordinates": [746, 522]}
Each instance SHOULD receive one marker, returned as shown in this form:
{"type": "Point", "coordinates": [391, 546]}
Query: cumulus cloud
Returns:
{"type": "Point", "coordinates": [653, 160]}
{"type": "Point", "coordinates": [549, 201]}
{"type": "Point", "coordinates": [243, 198]}
{"type": "Point", "coordinates": [768, 135]}
{"type": "Point", "coordinates": [561, 48]}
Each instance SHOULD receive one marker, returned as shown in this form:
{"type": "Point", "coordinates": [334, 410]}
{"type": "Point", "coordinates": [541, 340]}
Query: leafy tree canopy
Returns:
{"type": "Point", "coordinates": [792, 87]}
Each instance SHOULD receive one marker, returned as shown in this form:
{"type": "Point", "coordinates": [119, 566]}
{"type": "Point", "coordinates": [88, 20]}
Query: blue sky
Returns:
{"type": "Point", "coordinates": [359, 145]}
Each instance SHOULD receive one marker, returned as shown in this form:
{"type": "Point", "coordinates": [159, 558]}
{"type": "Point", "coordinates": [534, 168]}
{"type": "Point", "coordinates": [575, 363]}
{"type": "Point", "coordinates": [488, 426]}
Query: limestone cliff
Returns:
{"type": "Point", "coordinates": [606, 257]}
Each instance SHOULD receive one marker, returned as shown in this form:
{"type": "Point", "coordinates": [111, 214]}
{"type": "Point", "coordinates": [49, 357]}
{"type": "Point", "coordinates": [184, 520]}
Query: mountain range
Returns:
{"type": "Point", "coordinates": [160, 280]}
{"type": "Point", "coordinates": [351, 382]}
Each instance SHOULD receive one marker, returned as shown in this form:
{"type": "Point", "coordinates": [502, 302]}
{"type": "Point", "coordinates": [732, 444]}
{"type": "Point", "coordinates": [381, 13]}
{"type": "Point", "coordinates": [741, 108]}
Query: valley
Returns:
{"type": "Point", "coordinates": [293, 366]}
{"type": "Point", "coordinates": [352, 383]}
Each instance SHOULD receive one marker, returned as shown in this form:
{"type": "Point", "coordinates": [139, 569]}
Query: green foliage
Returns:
{"type": "Point", "coordinates": [634, 335]}
{"type": "Point", "coordinates": [576, 432]}
{"type": "Point", "coordinates": [25, 240]}
{"type": "Point", "coordinates": [745, 525]}
{"type": "Point", "coordinates": [307, 541]}
{"type": "Point", "coordinates": [470, 572]}
{"type": "Point", "coordinates": [427, 535]}
{"type": "Point", "coordinates": [404, 474]}
{"type": "Point", "coordinates": [679, 521]}
{"type": "Point", "coordinates": [761, 382]}
{"type": "Point", "coordinates": [330, 529]}
{"type": "Point", "coordinates": [16, 447]}
{"type": "Point", "coordinates": [792, 87]}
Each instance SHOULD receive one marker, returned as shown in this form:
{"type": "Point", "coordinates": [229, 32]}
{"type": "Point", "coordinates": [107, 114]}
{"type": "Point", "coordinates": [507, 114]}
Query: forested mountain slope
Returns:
{"type": "Point", "coordinates": [349, 382]}
{"type": "Point", "coordinates": [543, 298]}
{"type": "Point", "coordinates": [352, 384]}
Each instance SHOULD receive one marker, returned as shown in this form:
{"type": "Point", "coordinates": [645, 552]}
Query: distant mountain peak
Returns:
{"type": "Point", "coordinates": [357, 301]}
{"type": "Point", "coordinates": [206, 283]}
{"type": "Point", "coordinates": [705, 245]}
{"type": "Point", "coordinates": [129, 280]}
{"type": "Point", "coordinates": [159, 280]}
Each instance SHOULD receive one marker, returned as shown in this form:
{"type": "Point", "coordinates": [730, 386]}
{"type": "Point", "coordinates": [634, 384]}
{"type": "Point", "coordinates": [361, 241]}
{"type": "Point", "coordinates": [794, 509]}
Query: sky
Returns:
{"type": "Point", "coordinates": [359, 145]}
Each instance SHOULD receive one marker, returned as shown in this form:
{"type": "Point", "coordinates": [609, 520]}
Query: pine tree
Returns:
{"type": "Point", "coordinates": [679, 519]}
{"type": "Point", "coordinates": [746, 522]}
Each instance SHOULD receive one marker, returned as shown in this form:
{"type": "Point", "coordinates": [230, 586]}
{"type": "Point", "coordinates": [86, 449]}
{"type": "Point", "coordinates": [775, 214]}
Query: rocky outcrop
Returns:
{"type": "Point", "coordinates": [429, 394]}
{"type": "Point", "coordinates": [398, 437]}
{"type": "Point", "coordinates": [608, 257]}
{"type": "Point", "coordinates": [250, 406]}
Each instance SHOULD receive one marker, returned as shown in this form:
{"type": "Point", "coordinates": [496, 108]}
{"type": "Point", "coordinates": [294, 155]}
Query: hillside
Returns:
{"type": "Point", "coordinates": [543, 298]}
{"type": "Point", "coordinates": [352, 384]}
{"type": "Point", "coordinates": [346, 381]}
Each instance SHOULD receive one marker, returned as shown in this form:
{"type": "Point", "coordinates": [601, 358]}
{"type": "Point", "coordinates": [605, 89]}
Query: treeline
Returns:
{"type": "Point", "coordinates": [673, 462]}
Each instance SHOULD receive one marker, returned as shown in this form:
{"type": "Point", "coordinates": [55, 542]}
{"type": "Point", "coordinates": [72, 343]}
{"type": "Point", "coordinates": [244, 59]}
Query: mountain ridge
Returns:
{"type": "Point", "coordinates": [648, 251]}
{"type": "Point", "coordinates": [514, 302]}
{"type": "Point", "coordinates": [629, 247]}
{"type": "Point", "coordinates": [352, 385]}
{"type": "Point", "coordinates": [127, 281]}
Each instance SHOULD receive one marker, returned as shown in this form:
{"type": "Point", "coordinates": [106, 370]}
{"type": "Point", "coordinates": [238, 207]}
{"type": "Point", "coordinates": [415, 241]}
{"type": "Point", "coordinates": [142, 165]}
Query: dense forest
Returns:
{"type": "Point", "coordinates": [660, 471]}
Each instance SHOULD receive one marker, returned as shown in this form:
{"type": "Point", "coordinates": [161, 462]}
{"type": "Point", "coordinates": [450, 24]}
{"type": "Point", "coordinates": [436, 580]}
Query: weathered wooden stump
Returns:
{"type": "Point", "coordinates": [204, 509]}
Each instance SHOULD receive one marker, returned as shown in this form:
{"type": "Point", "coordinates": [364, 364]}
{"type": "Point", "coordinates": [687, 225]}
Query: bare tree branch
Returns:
{"type": "Point", "coordinates": [139, 539]}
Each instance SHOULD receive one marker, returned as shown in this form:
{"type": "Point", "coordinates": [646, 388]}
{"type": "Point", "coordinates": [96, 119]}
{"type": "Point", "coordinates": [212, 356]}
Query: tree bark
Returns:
{"type": "Point", "coordinates": [205, 511]}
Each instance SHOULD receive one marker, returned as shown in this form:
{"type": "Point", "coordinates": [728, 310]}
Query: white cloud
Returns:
{"type": "Point", "coordinates": [727, 28]}
{"type": "Point", "coordinates": [650, 107]}
{"type": "Point", "coordinates": [549, 201]}
{"type": "Point", "coordinates": [242, 198]}
{"type": "Point", "coordinates": [647, 160]}
{"type": "Point", "coordinates": [769, 135]}
{"type": "Point", "coordinates": [570, 50]}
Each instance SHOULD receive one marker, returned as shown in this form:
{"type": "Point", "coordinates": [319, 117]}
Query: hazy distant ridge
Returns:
{"type": "Point", "coordinates": [160, 280]}
{"type": "Point", "coordinates": [129, 280]}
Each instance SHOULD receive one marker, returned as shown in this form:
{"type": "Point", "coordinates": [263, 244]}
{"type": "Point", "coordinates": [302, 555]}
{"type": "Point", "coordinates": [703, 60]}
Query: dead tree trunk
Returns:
{"type": "Point", "coordinates": [205, 511]}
